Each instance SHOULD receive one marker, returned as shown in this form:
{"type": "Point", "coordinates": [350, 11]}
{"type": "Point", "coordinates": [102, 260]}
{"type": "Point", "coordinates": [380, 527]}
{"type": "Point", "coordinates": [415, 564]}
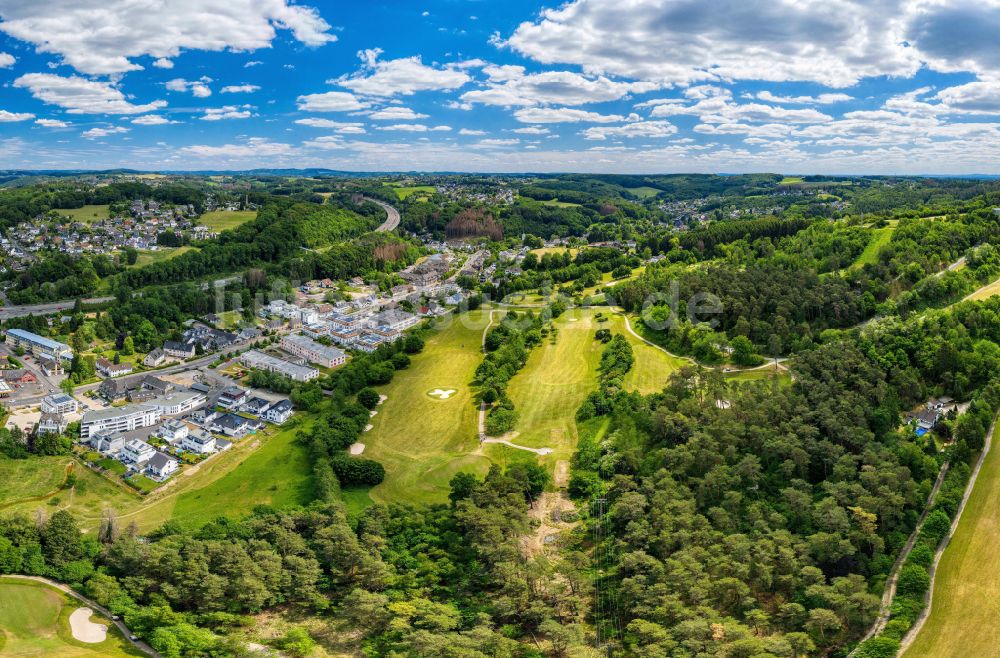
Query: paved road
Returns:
{"type": "Point", "coordinates": [8, 312]}
{"type": "Point", "coordinates": [392, 215]}
{"type": "Point", "coordinates": [139, 644]}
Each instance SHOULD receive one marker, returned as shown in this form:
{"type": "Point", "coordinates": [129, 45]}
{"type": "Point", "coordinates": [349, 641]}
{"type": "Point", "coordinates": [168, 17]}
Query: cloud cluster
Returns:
{"type": "Point", "coordinates": [404, 76]}
{"type": "Point", "coordinates": [79, 95]}
{"type": "Point", "coordinates": [101, 38]}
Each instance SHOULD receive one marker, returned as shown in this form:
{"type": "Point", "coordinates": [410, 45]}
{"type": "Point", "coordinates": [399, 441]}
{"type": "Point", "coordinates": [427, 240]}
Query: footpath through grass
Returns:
{"type": "Point", "coordinates": [963, 619]}
{"type": "Point", "coordinates": [423, 439]}
{"type": "Point", "coordinates": [34, 621]}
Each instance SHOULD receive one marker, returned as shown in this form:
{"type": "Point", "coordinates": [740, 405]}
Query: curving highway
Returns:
{"type": "Point", "coordinates": [392, 215]}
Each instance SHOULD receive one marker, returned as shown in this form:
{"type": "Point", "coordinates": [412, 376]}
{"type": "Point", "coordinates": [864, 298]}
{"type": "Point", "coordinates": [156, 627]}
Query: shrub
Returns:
{"type": "Point", "coordinates": [913, 580]}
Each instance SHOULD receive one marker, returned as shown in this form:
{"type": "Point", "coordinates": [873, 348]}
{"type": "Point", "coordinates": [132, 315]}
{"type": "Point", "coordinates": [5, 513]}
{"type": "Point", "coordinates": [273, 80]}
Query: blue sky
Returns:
{"type": "Point", "coordinates": [885, 86]}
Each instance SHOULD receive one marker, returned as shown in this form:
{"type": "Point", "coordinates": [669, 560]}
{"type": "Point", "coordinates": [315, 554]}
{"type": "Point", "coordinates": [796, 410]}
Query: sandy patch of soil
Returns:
{"type": "Point", "coordinates": [85, 630]}
{"type": "Point", "coordinates": [357, 448]}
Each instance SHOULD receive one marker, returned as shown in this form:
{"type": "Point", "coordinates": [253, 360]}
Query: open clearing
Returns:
{"type": "Point", "coordinates": [643, 192]}
{"type": "Point", "coordinates": [987, 291]}
{"type": "Point", "coordinates": [422, 440]}
{"type": "Point", "coordinates": [35, 621]}
{"type": "Point", "coordinates": [86, 214]}
{"type": "Point", "coordinates": [880, 238]}
{"type": "Point", "coordinates": [403, 192]}
{"type": "Point", "coordinates": [962, 623]}
{"type": "Point", "coordinates": [223, 220]}
{"type": "Point", "coordinates": [148, 256]}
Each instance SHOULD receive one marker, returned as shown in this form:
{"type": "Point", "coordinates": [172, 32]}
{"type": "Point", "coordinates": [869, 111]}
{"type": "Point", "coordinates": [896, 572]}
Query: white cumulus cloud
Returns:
{"type": "Point", "coordinates": [10, 117]}
{"type": "Point", "coordinates": [239, 89]}
{"type": "Point", "coordinates": [331, 101]}
{"type": "Point", "coordinates": [405, 76]}
{"type": "Point", "coordinates": [106, 38]}
{"type": "Point", "coordinates": [80, 95]}
{"type": "Point", "coordinates": [95, 133]}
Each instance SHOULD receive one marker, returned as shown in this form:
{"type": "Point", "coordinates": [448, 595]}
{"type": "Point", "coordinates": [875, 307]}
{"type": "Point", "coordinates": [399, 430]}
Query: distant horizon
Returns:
{"type": "Point", "coordinates": [417, 172]}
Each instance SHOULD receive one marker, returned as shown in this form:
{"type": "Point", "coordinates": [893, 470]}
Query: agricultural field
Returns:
{"type": "Point", "coordinates": [559, 204]}
{"type": "Point", "coordinates": [966, 603]}
{"type": "Point", "coordinates": [425, 431]}
{"type": "Point", "coordinates": [541, 251]}
{"type": "Point", "coordinates": [34, 621]}
{"type": "Point", "coordinates": [223, 220]}
{"type": "Point", "coordinates": [86, 214]}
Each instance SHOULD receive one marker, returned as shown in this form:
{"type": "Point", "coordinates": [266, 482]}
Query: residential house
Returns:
{"type": "Point", "coordinates": [255, 406]}
{"type": "Point", "coordinates": [178, 350]}
{"type": "Point", "coordinates": [172, 431]}
{"type": "Point", "coordinates": [279, 412]}
{"type": "Point", "coordinates": [307, 348]}
{"type": "Point", "coordinates": [51, 423]}
{"type": "Point", "coordinates": [59, 403]}
{"type": "Point", "coordinates": [233, 397]}
{"type": "Point", "coordinates": [161, 466]}
{"type": "Point", "coordinates": [199, 442]}
{"type": "Point", "coordinates": [178, 403]}
{"type": "Point", "coordinates": [110, 369]}
{"type": "Point", "coordinates": [393, 319]}
{"type": "Point", "coordinates": [137, 451]}
{"type": "Point", "coordinates": [233, 425]}
{"type": "Point", "coordinates": [155, 358]}
{"type": "Point", "coordinates": [118, 419]}
{"type": "Point", "coordinates": [107, 443]}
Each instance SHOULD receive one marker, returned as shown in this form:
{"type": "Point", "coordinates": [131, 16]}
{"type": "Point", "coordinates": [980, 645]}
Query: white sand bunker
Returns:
{"type": "Point", "coordinates": [357, 448]}
{"type": "Point", "coordinates": [382, 398]}
{"type": "Point", "coordinates": [442, 393]}
{"type": "Point", "coordinates": [368, 427]}
{"type": "Point", "coordinates": [86, 630]}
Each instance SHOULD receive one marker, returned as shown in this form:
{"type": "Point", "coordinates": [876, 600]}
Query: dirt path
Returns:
{"type": "Point", "coordinates": [890, 586]}
{"type": "Point", "coordinates": [911, 635]}
{"type": "Point", "coordinates": [94, 605]}
{"type": "Point", "coordinates": [548, 511]}
{"type": "Point", "coordinates": [505, 442]}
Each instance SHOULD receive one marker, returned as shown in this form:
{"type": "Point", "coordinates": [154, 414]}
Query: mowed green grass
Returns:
{"type": "Point", "coordinates": [554, 382]}
{"type": "Point", "coordinates": [880, 238]}
{"type": "Point", "coordinates": [652, 367]}
{"type": "Point", "coordinates": [423, 441]}
{"type": "Point", "coordinates": [223, 220]}
{"type": "Point", "coordinates": [34, 621]}
{"type": "Point", "coordinates": [963, 619]}
{"type": "Point", "coordinates": [86, 214]}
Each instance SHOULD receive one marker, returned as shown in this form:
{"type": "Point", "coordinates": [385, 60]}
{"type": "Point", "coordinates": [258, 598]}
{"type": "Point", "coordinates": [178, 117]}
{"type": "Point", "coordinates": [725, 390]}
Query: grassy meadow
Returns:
{"type": "Point", "coordinates": [86, 214]}
{"type": "Point", "coordinates": [147, 256]}
{"type": "Point", "coordinates": [962, 623]}
{"type": "Point", "coordinates": [223, 220]}
{"type": "Point", "coordinates": [34, 621]}
{"type": "Point", "coordinates": [880, 238]}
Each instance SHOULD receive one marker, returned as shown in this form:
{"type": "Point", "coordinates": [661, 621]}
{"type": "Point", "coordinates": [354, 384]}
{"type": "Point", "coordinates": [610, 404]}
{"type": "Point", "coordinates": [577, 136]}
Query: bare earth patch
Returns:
{"type": "Point", "coordinates": [85, 630]}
